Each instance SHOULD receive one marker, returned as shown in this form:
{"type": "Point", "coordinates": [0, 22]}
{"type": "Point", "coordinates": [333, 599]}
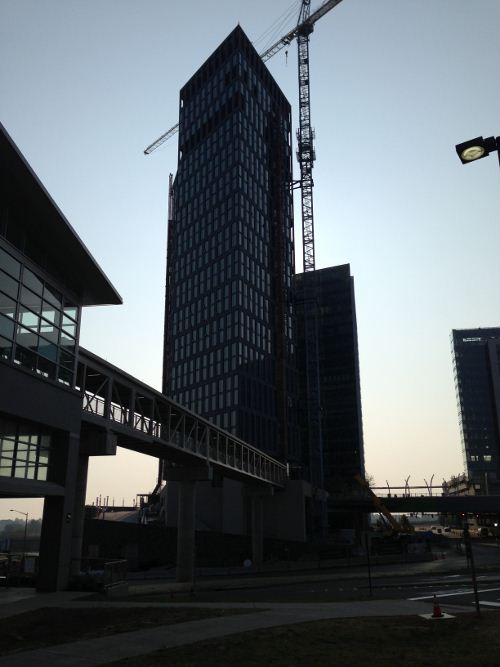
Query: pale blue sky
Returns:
{"type": "Point", "coordinates": [395, 84]}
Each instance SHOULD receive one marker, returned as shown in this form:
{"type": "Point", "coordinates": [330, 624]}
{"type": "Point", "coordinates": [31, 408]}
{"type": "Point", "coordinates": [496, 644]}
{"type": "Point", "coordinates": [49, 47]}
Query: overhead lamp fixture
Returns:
{"type": "Point", "coordinates": [475, 149]}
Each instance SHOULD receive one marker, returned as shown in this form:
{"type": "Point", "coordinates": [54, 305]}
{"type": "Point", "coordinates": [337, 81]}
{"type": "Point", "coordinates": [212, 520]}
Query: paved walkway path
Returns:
{"type": "Point", "coordinates": [94, 652]}
{"type": "Point", "coordinates": [103, 650]}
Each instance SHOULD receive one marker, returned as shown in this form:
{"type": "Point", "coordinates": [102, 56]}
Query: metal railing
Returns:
{"type": "Point", "coordinates": [184, 430]}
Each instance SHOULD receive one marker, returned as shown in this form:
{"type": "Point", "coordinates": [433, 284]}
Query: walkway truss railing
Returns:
{"type": "Point", "coordinates": [113, 395]}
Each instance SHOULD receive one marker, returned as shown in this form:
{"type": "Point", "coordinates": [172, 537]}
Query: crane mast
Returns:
{"type": "Point", "coordinates": [305, 136]}
{"type": "Point", "coordinates": [306, 156]}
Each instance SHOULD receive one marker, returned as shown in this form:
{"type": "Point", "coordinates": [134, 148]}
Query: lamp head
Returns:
{"type": "Point", "coordinates": [475, 149]}
{"type": "Point", "coordinates": [471, 150]}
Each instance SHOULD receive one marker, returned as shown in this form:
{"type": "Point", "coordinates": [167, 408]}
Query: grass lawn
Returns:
{"type": "Point", "coordinates": [46, 627]}
{"type": "Point", "coordinates": [375, 642]}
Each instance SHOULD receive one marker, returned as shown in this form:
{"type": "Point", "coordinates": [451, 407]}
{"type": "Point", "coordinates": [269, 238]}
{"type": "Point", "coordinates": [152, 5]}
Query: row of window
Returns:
{"type": "Point", "coordinates": [254, 288]}
{"type": "Point", "coordinates": [200, 314]}
{"type": "Point", "coordinates": [38, 325]}
{"type": "Point", "coordinates": [24, 451]}
{"type": "Point", "coordinates": [192, 369]}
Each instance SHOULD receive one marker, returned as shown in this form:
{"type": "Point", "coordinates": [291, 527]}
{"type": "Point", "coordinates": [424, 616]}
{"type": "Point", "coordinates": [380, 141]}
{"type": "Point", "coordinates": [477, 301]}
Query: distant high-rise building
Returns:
{"type": "Point", "coordinates": [477, 384]}
{"type": "Point", "coordinates": [342, 454]}
{"type": "Point", "coordinates": [229, 341]}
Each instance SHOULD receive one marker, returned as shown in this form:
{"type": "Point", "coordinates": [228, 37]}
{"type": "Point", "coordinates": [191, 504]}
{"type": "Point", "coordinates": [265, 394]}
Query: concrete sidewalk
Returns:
{"type": "Point", "coordinates": [103, 650]}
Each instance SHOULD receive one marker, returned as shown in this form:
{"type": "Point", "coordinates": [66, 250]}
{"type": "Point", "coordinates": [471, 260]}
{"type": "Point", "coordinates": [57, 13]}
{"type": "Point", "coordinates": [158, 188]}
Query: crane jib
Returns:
{"type": "Point", "coordinates": [304, 28]}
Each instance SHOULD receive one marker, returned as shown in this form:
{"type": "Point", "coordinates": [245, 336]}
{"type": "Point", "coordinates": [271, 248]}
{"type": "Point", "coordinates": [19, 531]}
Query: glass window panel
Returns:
{"type": "Point", "coordinates": [45, 441]}
{"type": "Point", "coordinates": [69, 329]}
{"type": "Point", "coordinates": [26, 435]}
{"type": "Point", "coordinates": [50, 313]}
{"type": "Point", "coordinates": [52, 295]}
{"type": "Point", "coordinates": [6, 446]}
{"type": "Point", "coordinates": [70, 310]}
{"type": "Point", "coordinates": [46, 368]}
{"type": "Point", "coordinates": [5, 348]}
{"type": "Point", "coordinates": [28, 319]}
{"type": "Point", "coordinates": [68, 342]}
{"type": "Point", "coordinates": [32, 281]}
{"type": "Point", "coordinates": [25, 358]}
{"type": "Point", "coordinates": [5, 467]}
{"type": "Point", "coordinates": [9, 264]}
{"type": "Point", "coordinates": [22, 450]}
{"type": "Point", "coordinates": [7, 305]}
{"type": "Point", "coordinates": [42, 473]}
{"type": "Point", "coordinates": [47, 349]}
{"type": "Point", "coordinates": [49, 331]}
{"type": "Point", "coordinates": [31, 300]}
{"type": "Point", "coordinates": [20, 470]}
{"type": "Point", "coordinates": [26, 338]}
{"type": "Point", "coordinates": [9, 285]}
{"type": "Point", "coordinates": [30, 472]}
{"type": "Point", "coordinates": [67, 360]}
{"type": "Point", "coordinates": [6, 327]}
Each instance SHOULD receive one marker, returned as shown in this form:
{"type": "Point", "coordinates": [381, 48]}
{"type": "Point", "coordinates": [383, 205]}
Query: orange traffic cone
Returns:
{"type": "Point", "coordinates": [436, 609]}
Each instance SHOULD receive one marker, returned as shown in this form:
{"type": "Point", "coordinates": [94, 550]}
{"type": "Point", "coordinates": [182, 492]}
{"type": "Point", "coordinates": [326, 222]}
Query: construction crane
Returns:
{"type": "Point", "coordinates": [305, 134]}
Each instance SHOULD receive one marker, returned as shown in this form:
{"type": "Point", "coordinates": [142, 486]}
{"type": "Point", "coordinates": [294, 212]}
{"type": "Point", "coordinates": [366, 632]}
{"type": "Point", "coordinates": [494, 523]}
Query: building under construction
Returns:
{"type": "Point", "coordinates": [230, 351]}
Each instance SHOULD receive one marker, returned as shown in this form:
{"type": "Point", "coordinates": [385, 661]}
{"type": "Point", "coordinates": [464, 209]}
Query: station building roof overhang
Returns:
{"type": "Point", "coordinates": [52, 230]}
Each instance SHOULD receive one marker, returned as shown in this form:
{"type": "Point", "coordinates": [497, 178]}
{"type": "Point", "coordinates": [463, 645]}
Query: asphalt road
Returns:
{"type": "Point", "coordinates": [448, 578]}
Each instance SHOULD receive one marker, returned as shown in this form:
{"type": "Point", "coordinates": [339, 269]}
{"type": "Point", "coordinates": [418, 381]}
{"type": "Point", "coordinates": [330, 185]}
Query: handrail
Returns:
{"type": "Point", "coordinates": [204, 440]}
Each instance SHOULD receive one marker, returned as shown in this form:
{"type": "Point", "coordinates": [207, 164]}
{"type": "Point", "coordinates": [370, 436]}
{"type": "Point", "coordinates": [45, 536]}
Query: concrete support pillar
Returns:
{"type": "Point", "coordinates": [186, 530]}
{"type": "Point", "coordinates": [57, 523]}
{"type": "Point", "coordinates": [186, 479]}
{"type": "Point", "coordinates": [256, 494]}
{"type": "Point", "coordinates": [257, 531]}
{"type": "Point", "coordinates": [79, 514]}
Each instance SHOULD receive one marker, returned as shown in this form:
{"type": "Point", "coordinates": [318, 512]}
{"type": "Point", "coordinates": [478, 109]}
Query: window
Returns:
{"type": "Point", "coordinates": [24, 450]}
{"type": "Point", "coordinates": [31, 316]}
{"type": "Point", "coordinates": [9, 264]}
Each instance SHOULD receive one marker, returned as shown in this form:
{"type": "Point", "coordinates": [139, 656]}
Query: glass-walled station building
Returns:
{"type": "Point", "coordinates": [46, 276]}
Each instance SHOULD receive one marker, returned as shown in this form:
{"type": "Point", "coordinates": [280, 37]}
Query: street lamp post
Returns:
{"type": "Point", "coordinates": [475, 149]}
{"type": "Point", "coordinates": [25, 533]}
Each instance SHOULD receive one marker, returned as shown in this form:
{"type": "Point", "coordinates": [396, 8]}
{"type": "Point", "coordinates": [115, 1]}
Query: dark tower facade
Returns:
{"type": "Point", "coordinates": [477, 383]}
{"type": "Point", "coordinates": [229, 341]}
{"type": "Point", "coordinates": [342, 454]}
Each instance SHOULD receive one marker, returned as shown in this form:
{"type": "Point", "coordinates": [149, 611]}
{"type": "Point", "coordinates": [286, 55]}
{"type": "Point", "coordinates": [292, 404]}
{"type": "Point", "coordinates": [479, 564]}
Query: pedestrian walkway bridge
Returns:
{"type": "Point", "coordinates": [416, 503]}
{"type": "Point", "coordinates": [146, 421]}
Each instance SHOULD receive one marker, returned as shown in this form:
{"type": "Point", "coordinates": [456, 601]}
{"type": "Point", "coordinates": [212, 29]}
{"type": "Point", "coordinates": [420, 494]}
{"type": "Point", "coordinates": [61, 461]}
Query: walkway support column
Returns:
{"type": "Point", "coordinates": [186, 479]}
{"type": "Point", "coordinates": [257, 532]}
{"type": "Point", "coordinates": [57, 523]}
{"type": "Point", "coordinates": [257, 495]}
{"type": "Point", "coordinates": [93, 442]}
{"type": "Point", "coordinates": [186, 530]}
{"type": "Point", "coordinates": [79, 515]}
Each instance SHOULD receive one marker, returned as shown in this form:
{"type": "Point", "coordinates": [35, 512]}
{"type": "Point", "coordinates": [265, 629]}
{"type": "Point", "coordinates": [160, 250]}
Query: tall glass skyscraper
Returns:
{"type": "Point", "coordinates": [477, 384]}
{"type": "Point", "coordinates": [229, 340]}
{"type": "Point", "coordinates": [342, 453]}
